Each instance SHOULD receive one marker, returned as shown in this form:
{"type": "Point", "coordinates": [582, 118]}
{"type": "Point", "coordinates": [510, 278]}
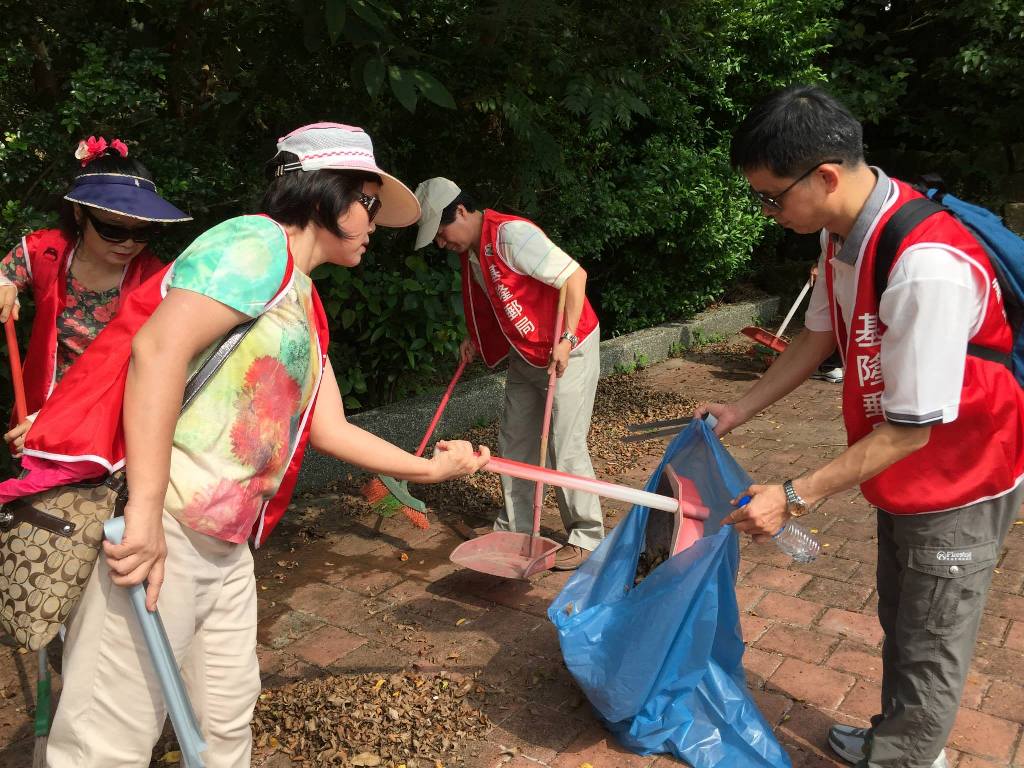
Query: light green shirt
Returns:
{"type": "Point", "coordinates": [234, 443]}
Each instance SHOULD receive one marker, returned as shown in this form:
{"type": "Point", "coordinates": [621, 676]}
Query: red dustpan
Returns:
{"type": "Point", "coordinates": [774, 341]}
{"type": "Point", "coordinates": [509, 554]}
{"type": "Point", "coordinates": [669, 532]}
{"type": "Point", "coordinates": [514, 555]}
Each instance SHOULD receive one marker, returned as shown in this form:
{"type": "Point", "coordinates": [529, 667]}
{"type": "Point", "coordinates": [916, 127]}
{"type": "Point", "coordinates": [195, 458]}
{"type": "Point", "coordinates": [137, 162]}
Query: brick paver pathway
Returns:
{"type": "Point", "coordinates": [348, 602]}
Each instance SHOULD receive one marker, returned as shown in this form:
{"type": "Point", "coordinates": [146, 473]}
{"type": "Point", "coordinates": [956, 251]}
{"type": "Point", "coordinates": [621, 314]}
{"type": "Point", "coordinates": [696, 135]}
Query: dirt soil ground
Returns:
{"type": "Point", "coordinates": [358, 629]}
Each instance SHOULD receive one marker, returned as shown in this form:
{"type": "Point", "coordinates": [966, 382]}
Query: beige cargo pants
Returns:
{"type": "Point", "coordinates": [112, 709]}
{"type": "Point", "coordinates": [519, 439]}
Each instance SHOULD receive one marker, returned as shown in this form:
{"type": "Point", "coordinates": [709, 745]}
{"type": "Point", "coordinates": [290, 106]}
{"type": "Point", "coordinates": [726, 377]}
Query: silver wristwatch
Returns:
{"type": "Point", "coordinates": [572, 338]}
{"type": "Point", "coordinates": [797, 506]}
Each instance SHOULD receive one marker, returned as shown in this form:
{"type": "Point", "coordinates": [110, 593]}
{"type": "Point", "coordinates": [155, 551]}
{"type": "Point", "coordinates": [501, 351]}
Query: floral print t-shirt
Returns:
{"type": "Point", "coordinates": [233, 444]}
{"type": "Point", "coordinates": [87, 312]}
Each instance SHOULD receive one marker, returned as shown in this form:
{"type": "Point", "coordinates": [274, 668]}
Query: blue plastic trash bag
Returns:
{"type": "Point", "coordinates": [661, 662]}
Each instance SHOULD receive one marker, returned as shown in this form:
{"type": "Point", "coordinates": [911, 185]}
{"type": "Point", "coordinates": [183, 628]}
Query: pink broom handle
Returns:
{"type": "Point", "coordinates": [20, 407]}
{"type": "Point", "coordinates": [538, 494]}
{"type": "Point", "coordinates": [586, 484]}
{"type": "Point", "coordinates": [441, 407]}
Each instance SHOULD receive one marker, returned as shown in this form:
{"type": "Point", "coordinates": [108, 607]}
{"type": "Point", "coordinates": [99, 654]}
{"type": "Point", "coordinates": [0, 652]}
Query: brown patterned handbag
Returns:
{"type": "Point", "coordinates": [49, 541]}
{"type": "Point", "coordinates": [48, 547]}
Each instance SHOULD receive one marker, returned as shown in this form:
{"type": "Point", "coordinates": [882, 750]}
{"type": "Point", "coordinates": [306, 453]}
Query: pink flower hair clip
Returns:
{"type": "Point", "coordinates": [93, 147]}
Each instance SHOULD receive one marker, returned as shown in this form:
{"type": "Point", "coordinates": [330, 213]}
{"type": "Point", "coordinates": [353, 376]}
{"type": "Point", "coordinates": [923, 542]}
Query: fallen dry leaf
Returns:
{"type": "Point", "coordinates": [350, 720]}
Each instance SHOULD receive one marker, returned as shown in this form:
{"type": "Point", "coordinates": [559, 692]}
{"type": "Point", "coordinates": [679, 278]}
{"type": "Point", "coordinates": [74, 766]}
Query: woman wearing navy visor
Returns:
{"type": "Point", "coordinates": [79, 273]}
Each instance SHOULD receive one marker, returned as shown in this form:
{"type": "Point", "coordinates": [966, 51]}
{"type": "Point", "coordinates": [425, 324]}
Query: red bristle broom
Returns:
{"type": "Point", "coordinates": [387, 495]}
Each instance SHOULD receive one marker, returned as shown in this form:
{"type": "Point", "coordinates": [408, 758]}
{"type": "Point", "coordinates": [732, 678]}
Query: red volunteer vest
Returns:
{"type": "Point", "coordinates": [978, 456]}
{"type": "Point", "coordinates": [48, 255]}
{"type": "Point", "coordinates": [513, 310]}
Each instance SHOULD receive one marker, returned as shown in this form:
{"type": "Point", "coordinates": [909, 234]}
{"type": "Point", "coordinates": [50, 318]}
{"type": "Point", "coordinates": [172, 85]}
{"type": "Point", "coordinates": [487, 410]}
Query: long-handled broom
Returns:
{"type": "Point", "coordinates": [43, 681]}
{"type": "Point", "coordinates": [43, 707]}
{"type": "Point", "coordinates": [387, 495]}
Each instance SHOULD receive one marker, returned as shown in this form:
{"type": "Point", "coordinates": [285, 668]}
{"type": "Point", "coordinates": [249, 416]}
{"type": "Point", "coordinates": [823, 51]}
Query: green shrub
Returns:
{"type": "Point", "coordinates": [607, 123]}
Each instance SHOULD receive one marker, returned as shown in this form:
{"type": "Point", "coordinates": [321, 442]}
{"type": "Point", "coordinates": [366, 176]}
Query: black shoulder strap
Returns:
{"type": "Point", "coordinates": [890, 242]}
{"type": "Point", "coordinates": [895, 231]}
{"type": "Point", "coordinates": [213, 363]}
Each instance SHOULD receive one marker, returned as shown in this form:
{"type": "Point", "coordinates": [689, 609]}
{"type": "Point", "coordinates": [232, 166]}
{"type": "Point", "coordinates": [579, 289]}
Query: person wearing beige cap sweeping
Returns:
{"type": "Point", "coordinates": [511, 277]}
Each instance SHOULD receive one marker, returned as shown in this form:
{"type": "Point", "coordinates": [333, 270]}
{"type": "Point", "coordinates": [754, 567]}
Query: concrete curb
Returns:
{"type": "Point", "coordinates": [480, 400]}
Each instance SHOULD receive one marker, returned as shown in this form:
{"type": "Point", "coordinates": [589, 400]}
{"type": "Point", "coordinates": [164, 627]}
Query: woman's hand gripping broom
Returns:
{"type": "Point", "coordinates": [387, 495]}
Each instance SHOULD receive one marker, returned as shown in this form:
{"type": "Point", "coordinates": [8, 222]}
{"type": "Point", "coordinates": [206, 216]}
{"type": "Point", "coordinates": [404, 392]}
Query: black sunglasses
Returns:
{"type": "Point", "coordinates": [774, 202]}
{"type": "Point", "coordinates": [115, 233]}
{"type": "Point", "coordinates": [371, 203]}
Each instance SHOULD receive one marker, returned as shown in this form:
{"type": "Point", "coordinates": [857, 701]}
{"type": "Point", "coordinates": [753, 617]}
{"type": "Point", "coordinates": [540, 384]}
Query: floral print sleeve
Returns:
{"type": "Point", "coordinates": [14, 268]}
{"type": "Point", "coordinates": [240, 263]}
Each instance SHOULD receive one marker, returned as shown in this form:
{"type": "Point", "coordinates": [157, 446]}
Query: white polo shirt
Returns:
{"type": "Point", "coordinates": [933, 304]}
{"type": "Point", "coordinates": [528, 251]}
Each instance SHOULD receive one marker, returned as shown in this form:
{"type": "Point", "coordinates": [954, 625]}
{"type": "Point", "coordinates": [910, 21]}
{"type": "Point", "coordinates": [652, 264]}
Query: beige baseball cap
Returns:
{"type": "Point", "coordinates": [434, 195]}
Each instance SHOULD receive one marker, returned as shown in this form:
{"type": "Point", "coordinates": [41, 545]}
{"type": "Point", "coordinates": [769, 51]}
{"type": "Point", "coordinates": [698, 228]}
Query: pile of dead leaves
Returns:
{"type": "Point", "coordinates": [475, 497]}
{"type": "Point", "coordinates": [419, 721]}
{"type": "Point", "coordinates": [623, 400]}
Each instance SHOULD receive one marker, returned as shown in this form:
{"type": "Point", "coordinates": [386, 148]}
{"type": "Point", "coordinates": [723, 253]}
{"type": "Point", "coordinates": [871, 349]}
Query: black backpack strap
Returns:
{"type": "Point", "coordinates": [931, 181]}
{"type": "Point", "coordinates": [895, 231]}
{"type": "Point", "coordinates": [890, 242]}
{"type": "Point", "coordinates": [1004, 359]}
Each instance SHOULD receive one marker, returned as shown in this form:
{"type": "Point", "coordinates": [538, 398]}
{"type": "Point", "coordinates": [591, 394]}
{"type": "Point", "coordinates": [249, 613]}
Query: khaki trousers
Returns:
{"type": "Point", "coordinates": [519, 439]}
{"type": "Point", "coordinates": [111, 709]}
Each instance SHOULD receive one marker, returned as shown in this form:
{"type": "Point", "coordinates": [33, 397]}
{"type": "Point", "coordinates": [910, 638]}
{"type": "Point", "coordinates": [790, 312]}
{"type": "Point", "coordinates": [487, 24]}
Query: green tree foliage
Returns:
{"type": "Point", "coordinates": [607, 123]}
{"type": "Point", "coordinates": [939, 84]}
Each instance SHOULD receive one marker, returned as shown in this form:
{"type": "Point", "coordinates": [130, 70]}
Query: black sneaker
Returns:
{"type": "Point", "coordinates": [848, 742]}
{"type": "Point", "coordinates": [833, 375]}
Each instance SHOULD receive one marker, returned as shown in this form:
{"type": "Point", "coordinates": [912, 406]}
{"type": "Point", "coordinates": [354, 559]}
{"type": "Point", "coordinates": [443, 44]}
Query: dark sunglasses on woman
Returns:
{"type": "Point", "coordinates": [115, 233]}
{"type": "Point", "coordinates": [371, 203]}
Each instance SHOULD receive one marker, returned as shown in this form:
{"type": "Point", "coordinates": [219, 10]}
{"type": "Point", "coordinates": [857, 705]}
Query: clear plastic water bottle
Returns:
{"type": "Point", "coordinates": [793, 539]}
{"type": "Point", "coordinates": [797, 542]}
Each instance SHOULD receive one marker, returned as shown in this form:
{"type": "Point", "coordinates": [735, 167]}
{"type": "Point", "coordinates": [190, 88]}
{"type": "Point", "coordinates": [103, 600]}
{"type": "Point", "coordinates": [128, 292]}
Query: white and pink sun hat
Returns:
{"type": "Point", "coordinates": [323, 146]}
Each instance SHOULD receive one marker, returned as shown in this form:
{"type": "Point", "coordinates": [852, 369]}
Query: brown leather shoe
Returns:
{"type": "Point", "coordinates": [570, 557]}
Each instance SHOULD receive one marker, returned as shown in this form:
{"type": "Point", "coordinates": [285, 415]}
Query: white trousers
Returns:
{"type": "Point", "coordinates": [111, 709]}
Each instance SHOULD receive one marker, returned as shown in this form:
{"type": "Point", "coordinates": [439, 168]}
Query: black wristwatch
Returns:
{"type": "Point", "coordinates": [572, 338]}
{"type": "Point", "coordinates": [797, 506]}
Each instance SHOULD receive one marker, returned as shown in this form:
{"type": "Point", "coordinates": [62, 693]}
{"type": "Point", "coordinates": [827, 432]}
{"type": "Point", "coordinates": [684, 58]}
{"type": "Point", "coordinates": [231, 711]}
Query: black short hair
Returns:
{"type": "Point", "coordinates": [448, 214]}
{"type": "Point", "coordinates": [795, 128]}
{"type": "Point", "coordinates": [109, 162]}
{"type": "Point", "coordinates": [298, 197]}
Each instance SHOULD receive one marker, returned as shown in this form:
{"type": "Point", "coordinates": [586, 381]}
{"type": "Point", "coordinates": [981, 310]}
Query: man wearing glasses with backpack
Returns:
{"type": "Point", "coordinates": [933, 413]}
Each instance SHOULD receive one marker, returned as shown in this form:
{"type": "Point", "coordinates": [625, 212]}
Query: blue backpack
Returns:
{"type": "Point", "coordinates": [1005, 251]}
